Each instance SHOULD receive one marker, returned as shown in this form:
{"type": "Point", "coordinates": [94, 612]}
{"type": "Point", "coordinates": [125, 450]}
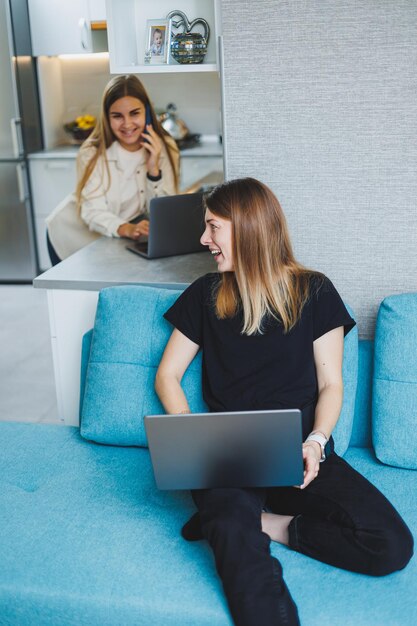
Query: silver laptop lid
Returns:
{"type": "Point", "coordinates": [236, 449]}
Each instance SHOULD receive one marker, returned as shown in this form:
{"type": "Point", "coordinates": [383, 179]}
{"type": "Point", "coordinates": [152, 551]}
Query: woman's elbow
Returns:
{"type": "Point", "coordinates": [158, 384]}
{"type": "Point", "coordinates": [163, 380]}
{"type": "Point", "coordinates": [334, 388]}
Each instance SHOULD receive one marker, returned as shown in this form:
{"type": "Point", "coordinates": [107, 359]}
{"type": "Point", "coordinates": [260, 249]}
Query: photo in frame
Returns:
{"type": "Point", "coordinates": [157, 41]}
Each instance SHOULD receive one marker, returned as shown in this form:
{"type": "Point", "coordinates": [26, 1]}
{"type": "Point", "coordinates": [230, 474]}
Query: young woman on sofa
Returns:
{"type": "Point", "coordinates": [272, 333]}
{"type": "Point", "coordinates": [127, 160]}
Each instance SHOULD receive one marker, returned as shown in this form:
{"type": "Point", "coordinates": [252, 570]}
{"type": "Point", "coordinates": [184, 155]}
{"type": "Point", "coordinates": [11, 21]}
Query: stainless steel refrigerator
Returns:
{"type": "Point", "coordinates": [20, 133]}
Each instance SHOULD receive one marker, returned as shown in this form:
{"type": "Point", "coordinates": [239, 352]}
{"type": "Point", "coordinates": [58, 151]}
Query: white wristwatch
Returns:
{"type": "Point", "coordinates": [321, 440]}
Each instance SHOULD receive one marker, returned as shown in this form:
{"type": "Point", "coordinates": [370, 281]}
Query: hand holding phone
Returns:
{"type": "Point", "coordinates": [152, 144]}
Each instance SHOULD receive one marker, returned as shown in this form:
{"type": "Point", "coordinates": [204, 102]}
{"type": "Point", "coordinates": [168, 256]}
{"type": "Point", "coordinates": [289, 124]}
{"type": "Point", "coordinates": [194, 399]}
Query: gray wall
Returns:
{"type": "Point", "coordinates": [321, 104]}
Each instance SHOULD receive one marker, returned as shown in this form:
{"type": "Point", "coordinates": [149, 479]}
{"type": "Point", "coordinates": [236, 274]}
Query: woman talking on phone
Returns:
{"type": "Point", "coordinates": [127, 160]}
{"type": "Point", "coordinates": [271, 332]}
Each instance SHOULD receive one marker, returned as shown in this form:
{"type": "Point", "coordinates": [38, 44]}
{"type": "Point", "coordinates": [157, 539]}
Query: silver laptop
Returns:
{"type": "Point", "coordinates": [239, 449]}
{"type": "Point", "coordinates": [176, 224]}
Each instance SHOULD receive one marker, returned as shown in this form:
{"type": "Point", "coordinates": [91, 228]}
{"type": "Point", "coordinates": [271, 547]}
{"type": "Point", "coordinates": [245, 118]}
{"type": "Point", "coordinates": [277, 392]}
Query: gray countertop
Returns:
{"type": "Point", "coordinates": [106, 262]}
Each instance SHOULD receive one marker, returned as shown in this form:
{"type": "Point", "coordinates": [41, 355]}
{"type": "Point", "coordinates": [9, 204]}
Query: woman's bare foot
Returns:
{"type": "Point", "coordinates": [276, 526]}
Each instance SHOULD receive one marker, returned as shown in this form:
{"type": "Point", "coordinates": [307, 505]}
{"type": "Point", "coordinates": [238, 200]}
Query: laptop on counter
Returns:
{"type": "Point", "coordinates": [236, 449]}
{"type": "Point", "coordinates": [176, 224]}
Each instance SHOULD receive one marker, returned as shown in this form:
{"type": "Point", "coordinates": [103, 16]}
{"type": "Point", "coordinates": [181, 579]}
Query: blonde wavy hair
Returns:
{"type": "Point", "coordinates": [267, 280]}
{"type": "Point", "coordinates": [102, 136]}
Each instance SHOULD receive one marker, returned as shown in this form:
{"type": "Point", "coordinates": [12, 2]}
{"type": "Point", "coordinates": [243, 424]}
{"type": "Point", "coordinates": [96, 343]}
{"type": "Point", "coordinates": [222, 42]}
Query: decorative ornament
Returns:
{"type": "Point", "coordinates": [188, 47]}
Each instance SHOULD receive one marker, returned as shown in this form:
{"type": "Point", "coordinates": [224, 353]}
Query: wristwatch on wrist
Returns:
{"type": "Point", "coordinates": [321, 440]}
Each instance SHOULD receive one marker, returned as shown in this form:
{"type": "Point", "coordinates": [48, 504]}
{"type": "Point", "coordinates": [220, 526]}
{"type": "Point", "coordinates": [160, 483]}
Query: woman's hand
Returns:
{"type": "Point", "coordinates": [311, 457]}
{"type": "Point", "coordinates": [153, 144]}
{"type": "Point", "coordinates": [134, 231]}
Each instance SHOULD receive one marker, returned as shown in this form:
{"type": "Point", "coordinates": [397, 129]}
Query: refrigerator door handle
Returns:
{"type": "Point", "coordinates": [22, 183]}
{"type": "Point", "coordinates": [17, 139]}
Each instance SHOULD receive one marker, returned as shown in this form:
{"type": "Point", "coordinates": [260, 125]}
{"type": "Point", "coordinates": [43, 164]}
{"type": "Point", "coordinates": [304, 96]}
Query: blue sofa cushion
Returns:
{"type": "Point", "coordinates": [128, 341]}
{"type": "Point", "coordinates": [394, 399]}
{"type": "Point", "coordinates": [343, 430]}
{"type": "Point", "coordinates": [362, 419]}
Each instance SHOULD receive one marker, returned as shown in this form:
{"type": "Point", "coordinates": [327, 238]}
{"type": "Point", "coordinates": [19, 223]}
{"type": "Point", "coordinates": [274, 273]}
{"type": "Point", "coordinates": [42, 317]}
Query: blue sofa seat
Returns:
{"type": "Point", "coordinates": [87, 539]}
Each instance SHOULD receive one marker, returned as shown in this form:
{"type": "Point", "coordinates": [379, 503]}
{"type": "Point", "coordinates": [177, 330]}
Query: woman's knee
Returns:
{"type": "Point", "coordinates": [228, 518]}
{"type": "Point", "coordinates": [229, 505]}
{"type": "Point", "coordinates": [227, 522]}
{"type": "Point", "coordinates": [396, 547]}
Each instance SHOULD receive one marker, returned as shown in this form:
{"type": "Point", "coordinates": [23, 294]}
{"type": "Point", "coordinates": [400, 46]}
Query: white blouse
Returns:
{"type": "Point", "coordinates": [105, 206]}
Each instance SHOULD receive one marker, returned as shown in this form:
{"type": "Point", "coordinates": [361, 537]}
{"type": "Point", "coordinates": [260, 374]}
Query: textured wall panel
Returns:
{"type": "Point", "coordinates": [321, 104]}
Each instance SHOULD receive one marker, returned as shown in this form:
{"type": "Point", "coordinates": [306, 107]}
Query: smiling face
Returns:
{"type": "Point", "coordinates": [157, 38]}
{"type": "Point", "coordinates": [218, 237]}
{"type": "Point", "coordinates": [127, 121]}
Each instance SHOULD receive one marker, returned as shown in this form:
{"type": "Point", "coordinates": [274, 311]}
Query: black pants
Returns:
{"type": "Point", "coordinates": [52, 252]}
{"type": "Point", "coordinates": [340, 519]}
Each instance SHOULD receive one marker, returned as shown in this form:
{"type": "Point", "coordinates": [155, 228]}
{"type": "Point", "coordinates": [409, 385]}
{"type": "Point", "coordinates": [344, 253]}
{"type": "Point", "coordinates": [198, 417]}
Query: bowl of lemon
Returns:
{"type": "Point", "coordinates": [81, 127]}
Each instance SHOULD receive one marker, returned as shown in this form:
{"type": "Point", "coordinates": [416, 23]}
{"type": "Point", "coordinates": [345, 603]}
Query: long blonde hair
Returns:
{"type": "Point", "coordinates": [102, 136]}
{"type": "Point", "coordinates": [267, 280]}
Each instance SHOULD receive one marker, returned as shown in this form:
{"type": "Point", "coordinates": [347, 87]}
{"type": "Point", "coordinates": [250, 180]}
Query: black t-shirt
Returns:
{"type": "Point", "coordinates": [273, 370]}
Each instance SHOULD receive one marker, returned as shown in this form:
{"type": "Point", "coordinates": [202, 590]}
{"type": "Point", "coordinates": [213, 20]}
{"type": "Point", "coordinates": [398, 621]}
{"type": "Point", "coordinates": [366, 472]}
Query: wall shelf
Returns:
{"type": "Point", "coordinates": [166, 69]}
{"type": "Point", "coordinates": [126, 28]}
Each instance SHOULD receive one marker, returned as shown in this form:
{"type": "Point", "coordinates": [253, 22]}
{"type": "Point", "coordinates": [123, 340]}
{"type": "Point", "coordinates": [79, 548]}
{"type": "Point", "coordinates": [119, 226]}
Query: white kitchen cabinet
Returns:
{"type": "Point", "coordinates": [65, 27]}
{"type": "Point", "coordinates": [97, 9]}
{"type": "Point", "coordinates": [51, 180]}
{"type": "Point", "coordinates": [126, 26]}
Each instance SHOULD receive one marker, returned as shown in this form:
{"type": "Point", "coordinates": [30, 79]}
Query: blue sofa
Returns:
{"type": "Point", "coordinates": [87, 539]}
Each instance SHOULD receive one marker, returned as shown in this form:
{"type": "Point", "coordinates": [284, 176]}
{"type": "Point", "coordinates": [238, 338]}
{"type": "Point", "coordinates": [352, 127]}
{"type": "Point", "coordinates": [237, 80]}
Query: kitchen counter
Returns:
{"type": "Point", "coordinates": [73, 287]}
{"type": "Point", "coordinates": [60, 152]}
{"type": "Point", "coordinates": [208, 147]}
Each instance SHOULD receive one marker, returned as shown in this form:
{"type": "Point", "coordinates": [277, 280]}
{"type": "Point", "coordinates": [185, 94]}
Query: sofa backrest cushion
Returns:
{"type": "Point", "coordinates": [128, 340]}
{"type": "Point", "coordinates": [121, 356]}
{"type": "Point", "coordinates": [343, 430]}
{"type": "Point", "coordinates": [362, 418]}
{"type": "Point", "coordinates": [394, 399]}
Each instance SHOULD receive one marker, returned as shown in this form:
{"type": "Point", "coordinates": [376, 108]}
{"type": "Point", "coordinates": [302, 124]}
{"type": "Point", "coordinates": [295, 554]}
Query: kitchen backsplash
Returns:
{"type": "Point", "coordinates": [73, 85]}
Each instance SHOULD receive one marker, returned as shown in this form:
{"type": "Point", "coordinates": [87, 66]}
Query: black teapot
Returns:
{"type": "Point", "coordinates": [188, 47]}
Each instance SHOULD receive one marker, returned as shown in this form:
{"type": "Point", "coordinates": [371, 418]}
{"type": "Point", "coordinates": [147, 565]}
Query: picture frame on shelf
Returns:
{"type": "Point", "coordinates": [157, 41]}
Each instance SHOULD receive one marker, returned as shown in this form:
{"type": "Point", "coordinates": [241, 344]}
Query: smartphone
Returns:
{"type": "Point", "coordinates": [148, 120]}
{"type": "Point", "coordinates": [148, 116]}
